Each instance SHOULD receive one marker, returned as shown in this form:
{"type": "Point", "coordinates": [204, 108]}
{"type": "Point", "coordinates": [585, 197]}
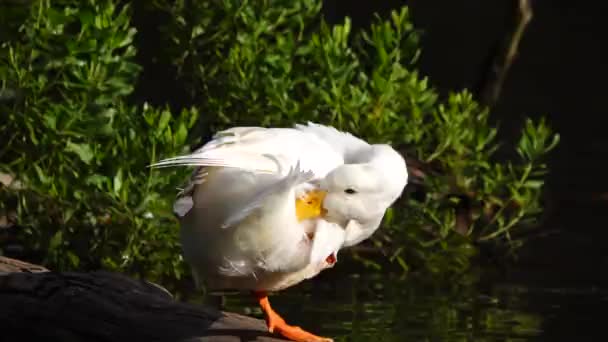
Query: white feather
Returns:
{"type": "Point", "coordinates": [263, 150]}
{"type": "Point", "coordinates": [237, 212]}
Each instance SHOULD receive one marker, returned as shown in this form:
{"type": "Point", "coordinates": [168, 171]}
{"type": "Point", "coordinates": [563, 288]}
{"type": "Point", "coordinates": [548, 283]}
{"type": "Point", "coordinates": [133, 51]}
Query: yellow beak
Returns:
{"type": "Point", "coordinates": [311, 206]}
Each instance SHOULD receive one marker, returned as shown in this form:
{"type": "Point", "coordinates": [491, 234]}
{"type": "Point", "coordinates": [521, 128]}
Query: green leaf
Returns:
{"type": "Point", "coordinates": [73, 259]}
{"type": "Point", "coordinates": [41, 176]}
{"type": "Point", "coordinates": [86, 17]}
{"type": "Point", "coordinates": [97, 180]}
{"type": "Point", "coordinates": [181, 134]}
{"type": "Point", "coordinates": [117, 182]}
{"type": "Point", "coordinates": [68, 214]}
{"type": "Point", "coordinates": [533, 184]}
{"type": "Point", "coordinates": [84, 151]}
{"type": "Point", "coordinates": [163, 122]}
{"type": "Point", "coordinates": [56, 240]}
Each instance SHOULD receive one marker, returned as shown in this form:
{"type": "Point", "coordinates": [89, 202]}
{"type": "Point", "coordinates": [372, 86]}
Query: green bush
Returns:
{"type": "Point", "coordinates": [79, 144]}
{"type": "Point", "coordinates": [80, 150]}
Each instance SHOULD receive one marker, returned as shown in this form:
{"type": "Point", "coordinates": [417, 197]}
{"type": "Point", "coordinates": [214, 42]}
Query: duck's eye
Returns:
{"type": "Point", "coordinates": [350, 191]}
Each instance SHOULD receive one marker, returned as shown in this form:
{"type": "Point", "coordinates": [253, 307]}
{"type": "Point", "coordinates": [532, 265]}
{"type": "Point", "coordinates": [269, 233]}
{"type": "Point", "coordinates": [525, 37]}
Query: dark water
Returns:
{"type": "Point", "coordinates": [352, 303]}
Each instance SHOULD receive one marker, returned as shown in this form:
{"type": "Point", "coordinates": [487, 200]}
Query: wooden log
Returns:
{"type": "Point", "coordinates": [8, 265]}
{"type": "Point", "coordinates": [103, 306]}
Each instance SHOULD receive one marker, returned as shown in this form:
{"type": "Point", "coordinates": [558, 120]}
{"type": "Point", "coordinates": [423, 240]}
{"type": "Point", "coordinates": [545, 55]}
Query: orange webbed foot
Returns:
{"type": "Point", "coordinates": [276, 324]}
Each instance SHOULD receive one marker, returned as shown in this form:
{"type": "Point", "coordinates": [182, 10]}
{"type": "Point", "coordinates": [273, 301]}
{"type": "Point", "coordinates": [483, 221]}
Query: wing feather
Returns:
{"type": "Point", "coordinates": [262, 150]}
{"type": "Point", "coordinates": [294, 177]}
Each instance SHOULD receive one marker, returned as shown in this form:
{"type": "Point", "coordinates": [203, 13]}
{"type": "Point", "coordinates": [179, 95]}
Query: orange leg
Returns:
{"type": "Point", "coordinates": [277, 324]}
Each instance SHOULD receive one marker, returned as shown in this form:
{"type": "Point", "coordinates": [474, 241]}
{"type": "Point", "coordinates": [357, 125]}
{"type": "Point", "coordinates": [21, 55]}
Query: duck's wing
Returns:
{"type": "Point", "coordinates": [253, 149]}
{"type": "Point", "coordinates": [268, 225]}
{"type": "Point", "coordinates": [343, 143]}
{"type": "Point", "coordinates": [266, 233]}
{"type": "Point", "coordinates": [262, 150]}
{"type": "Point", "coordinates": [264, 199]}
{"type": "Point", "coordinates": [184, 201]}
{"type": "Point", "coordinates": [239, 222]}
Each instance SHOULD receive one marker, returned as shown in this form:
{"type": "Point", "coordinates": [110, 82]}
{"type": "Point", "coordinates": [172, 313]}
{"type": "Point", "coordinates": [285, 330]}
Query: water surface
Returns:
{"type": "Point", "coordinates": [353, 303]}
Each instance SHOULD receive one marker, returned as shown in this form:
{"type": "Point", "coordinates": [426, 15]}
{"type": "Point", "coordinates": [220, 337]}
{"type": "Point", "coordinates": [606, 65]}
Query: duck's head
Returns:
{"type": "Point", "coordinates": [358, 194]}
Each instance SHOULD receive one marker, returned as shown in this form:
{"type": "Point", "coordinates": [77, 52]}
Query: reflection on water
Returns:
{"type": "Point", "coordinates": [373, 308]}
{"type": "Point", "coordinates": [356, 304]}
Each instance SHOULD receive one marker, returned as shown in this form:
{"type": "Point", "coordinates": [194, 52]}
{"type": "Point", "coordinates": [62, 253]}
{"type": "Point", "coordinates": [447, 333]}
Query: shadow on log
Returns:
{"type": "Point", "coordinates": [102, 306]}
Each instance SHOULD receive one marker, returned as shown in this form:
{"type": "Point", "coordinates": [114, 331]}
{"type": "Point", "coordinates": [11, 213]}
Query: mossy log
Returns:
{"type": "Point", "coordinates": [37, 304]}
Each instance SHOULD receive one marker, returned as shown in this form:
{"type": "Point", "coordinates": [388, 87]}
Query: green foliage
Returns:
{"type": "Point", "coordinates": [80, 146]}
{"type": "Point", "coordinates": [80, 150]}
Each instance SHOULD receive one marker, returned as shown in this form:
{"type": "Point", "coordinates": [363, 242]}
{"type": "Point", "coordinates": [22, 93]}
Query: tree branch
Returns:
{"type": "Point", "coordinates": [491, 85]}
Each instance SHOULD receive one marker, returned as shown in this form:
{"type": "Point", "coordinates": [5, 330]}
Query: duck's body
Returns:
{"type": "Point", "coordinates": [240, 225]}
{"type": "Point", "coordinates": [239, 228]}
{"type": "Point", "coordinates": [243, 232]}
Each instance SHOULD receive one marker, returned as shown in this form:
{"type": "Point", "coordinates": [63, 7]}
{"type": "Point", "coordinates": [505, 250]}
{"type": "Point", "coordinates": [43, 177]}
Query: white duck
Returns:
{"type": "Point", "coordinates": [245, 231]}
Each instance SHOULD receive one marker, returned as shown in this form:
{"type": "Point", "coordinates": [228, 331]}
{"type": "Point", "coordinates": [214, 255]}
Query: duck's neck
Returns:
{"type": "Point", "coordinates": [356, 231]}
{"type": "Point", "coordinates": [358, 152]}
{"type": "Point", "coordinates": [388, 162]}
{"type": "Point", "coordinates": [365, 153]}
